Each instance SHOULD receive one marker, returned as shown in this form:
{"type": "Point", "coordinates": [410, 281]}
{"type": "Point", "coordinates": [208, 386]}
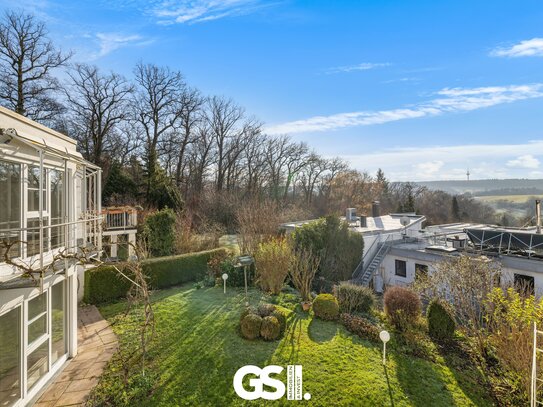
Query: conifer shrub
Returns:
{"type": "Point", "coordinates": [325, 306]}
{"type": "Point", "coordinates": [441, 323]}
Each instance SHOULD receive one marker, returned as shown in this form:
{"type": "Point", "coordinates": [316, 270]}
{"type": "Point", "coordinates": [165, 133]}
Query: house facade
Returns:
{"type": "Point", "coordinates": [50, 219]}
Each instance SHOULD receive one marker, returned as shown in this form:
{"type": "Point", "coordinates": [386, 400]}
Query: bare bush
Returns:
{"type": "Point", "coordinates": [258, 221]}
{"type": "Point", "coordinates": [273, 259]}
{"type": "Point", "coordinates": [302, 272]}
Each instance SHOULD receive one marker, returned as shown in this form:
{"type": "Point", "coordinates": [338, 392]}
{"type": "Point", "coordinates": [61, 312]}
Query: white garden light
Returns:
{"type": "Point", "coordinates": [224, 278]}
{"type": "Point", "coordinates": [385, 337]}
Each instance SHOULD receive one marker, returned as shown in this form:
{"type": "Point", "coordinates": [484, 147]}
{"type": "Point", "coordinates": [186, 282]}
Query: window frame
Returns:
{"type": "Point", "coordinates": [396, 268]}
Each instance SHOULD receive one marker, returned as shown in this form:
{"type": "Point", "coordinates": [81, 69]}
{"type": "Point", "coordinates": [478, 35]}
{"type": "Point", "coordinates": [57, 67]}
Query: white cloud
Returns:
{"type": "Point", "coordinates": [365, 66]}
{"type": "Point", "coordinates": [197, 11]}
{"type": "Point", "coordinates": [526, 48]}
{"type": "Point", "coordinates": [524, 161]}
{"type": "Point", "coordinates": [429, 167]}
{"type": "Point", "coordinates": [451, 162]}
{"type": "Point", "coordinates": [109, 42]}
{"type": "Point", "coordinates": [449, 100]}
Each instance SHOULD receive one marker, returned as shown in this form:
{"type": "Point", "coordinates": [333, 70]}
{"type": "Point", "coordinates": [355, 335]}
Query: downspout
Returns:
{"type": "Point", "coordinates": [538, 215]}
{"type": "Point", "coordinates": [40, 205]}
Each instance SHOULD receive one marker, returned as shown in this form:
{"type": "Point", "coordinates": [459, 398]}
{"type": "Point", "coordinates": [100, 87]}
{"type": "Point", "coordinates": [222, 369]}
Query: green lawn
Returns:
{"type": "Point", "coordinates": [197, 351]}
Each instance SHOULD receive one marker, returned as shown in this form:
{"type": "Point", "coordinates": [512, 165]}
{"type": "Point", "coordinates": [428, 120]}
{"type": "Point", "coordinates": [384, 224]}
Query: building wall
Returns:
{"type": "Point", "coordinates": [510, 267]}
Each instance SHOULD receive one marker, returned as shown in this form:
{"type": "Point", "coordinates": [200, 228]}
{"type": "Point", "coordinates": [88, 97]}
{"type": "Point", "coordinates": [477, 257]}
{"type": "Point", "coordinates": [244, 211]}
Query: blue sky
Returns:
{"type": "Point", "coordinates": [422, 89]}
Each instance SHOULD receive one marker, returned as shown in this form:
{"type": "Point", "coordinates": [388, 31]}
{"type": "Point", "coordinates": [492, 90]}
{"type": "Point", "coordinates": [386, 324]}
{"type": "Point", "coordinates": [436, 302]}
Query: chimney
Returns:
{"type": "Point", "coordinates": [538, 215]}
{"type": "Point", "coordinates": [375, 209]}
{"type": "Point", "coordinates": [363, 221]}
{"type": "Point", "coordinates": [350, 214]}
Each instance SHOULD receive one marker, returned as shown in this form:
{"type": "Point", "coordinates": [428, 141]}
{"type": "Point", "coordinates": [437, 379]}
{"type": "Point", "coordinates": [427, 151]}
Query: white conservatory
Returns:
{"type": "Point", "coordinates": [49, 210]}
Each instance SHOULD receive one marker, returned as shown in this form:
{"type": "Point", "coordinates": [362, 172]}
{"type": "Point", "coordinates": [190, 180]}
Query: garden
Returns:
{"type": "Point", "coordinates": [290, 304]}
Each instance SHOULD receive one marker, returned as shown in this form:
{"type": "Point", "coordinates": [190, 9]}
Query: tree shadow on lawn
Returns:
{"type": "Point", "coordinates": [468, 377]}
{"type": "Point", "coordinates": [322, 331]}
{"type": "Point", "coordinates": [198, 349]}
{"type": "Point", "coordinates": [422, 381]}
{"type": "Point", "coordinates": [293, 334]}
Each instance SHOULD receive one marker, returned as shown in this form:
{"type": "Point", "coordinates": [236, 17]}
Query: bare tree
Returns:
{"type": "Point", "coordinates": [157, 109]}
{"type": "Point", "coordinates": [27, 58]}
{"type": "Point", "coordinates": [98, 107]}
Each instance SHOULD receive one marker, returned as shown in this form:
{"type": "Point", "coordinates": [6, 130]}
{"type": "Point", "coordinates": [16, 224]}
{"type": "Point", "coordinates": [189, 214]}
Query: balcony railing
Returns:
{"type": "Point", "coordinates": [120, 218]}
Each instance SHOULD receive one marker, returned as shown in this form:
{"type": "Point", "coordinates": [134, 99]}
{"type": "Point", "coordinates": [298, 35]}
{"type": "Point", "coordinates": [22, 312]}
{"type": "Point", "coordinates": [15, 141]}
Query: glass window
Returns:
{"type": "Point", "coordinates": [57, 208]}
{"type": "Point", "coordinates": [10, 352]}
{"type": "Point", "coordinates": [37, 364]}
{"type": "Point", "coordinates": [37, 317]}
{"type": "Point", "coordinates": [34, 189]}
{"type": "Point", "coordinates": [401, 268]}
{"type": "Point", "coordinates": [58, 318]}
{"type": "Point", "coordinates": [33, 236]}
{"type": "Point", "coordinates": [10, 203]}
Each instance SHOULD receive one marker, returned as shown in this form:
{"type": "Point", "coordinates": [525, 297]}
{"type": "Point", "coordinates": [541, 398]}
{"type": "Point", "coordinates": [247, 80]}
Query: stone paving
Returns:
{"type": "Point", "coordinates": [97, 344]}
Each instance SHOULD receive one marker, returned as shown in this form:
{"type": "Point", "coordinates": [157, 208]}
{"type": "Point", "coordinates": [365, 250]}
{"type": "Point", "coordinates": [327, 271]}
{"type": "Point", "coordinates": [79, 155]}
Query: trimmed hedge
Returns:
{"type": "Point", "coordinates": [105, 284]}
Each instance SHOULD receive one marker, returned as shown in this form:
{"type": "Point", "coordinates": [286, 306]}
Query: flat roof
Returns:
{"type": "Point", "coordinates": [385, 223]}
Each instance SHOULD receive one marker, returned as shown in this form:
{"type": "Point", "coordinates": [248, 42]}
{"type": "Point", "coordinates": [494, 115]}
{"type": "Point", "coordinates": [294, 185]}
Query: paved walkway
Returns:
{"type": "Point", "coordinates": [97, 344]}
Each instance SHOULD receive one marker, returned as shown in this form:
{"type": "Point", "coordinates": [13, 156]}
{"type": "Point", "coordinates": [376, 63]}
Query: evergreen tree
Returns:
{"type": "Point", "coordinates": [455, 209]}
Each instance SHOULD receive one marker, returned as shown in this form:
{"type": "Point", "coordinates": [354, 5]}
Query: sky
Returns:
{"type": "Point", "coordinates": [424, 90]}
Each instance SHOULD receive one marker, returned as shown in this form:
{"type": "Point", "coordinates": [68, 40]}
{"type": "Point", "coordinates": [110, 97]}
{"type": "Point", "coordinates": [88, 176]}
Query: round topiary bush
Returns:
{"type": "Point", "coordinates": [441, 324]}
{"type": "Point", "coordinates": [270, 328]}
{"type": "Point", "coordinates": [265, 310]}
{"type": "Point", "coordinates": [250, 326]}
{"type": "Point", "coordinates": [325, 306]}
{"type": "Point", "coordinates": [402, 306]}
{"type": "Point", "coordinates": [246, 311]}
{"type": "Point", "coordinates": [282, 318]}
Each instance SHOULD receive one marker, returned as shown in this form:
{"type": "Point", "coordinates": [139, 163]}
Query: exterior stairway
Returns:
{"type": "Point", "coordinates": [368, 266]}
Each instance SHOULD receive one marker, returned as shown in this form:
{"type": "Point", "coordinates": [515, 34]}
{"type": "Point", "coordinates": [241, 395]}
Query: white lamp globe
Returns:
{"type": "Point", "coordinates": [225, 276]}
{"type": "Point", "coordinates": [384, 336]}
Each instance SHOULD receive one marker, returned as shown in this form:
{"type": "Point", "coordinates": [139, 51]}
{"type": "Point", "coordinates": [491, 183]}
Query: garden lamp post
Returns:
{"type": "Point", "coordinates": [224, 278]}
{"type": "Point", "coordinates": [385, 337]}
{"type": "Point", "coordinates": [245, 261]}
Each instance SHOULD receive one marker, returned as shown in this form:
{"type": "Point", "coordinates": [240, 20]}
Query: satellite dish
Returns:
{"type": "Point", "coordinates": [405, 221]}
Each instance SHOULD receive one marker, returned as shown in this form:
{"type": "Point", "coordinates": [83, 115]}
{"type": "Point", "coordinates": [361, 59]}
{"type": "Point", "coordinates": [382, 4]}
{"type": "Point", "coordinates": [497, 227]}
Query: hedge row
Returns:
{"type": "Point", "coordinates": [105, 284]}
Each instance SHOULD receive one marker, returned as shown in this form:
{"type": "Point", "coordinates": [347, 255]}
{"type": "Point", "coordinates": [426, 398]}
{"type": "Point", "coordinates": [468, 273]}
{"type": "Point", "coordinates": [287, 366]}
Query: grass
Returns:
{"type": "Point", "coordinates": [197, 351]}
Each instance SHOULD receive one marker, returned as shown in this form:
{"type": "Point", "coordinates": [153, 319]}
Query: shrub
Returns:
{"type": "Point", "coordinates": [281, 317]}
{"type": "Point", "coordinates": [441, 323]}
{"type": "Point", "coordinates": [325, 306]}
{"type": "Point", "coordinates": [302, 272]}
{"type": "Point", "coordinates": [354, 297]}
{"type": "Point", "coordinates": [338, 248]}
{"type": "Point", "coordinates": [247, 311]}
{"type": "Point", "coordinates": [402, 306]}
{"type": "Point", "coordinates": [104, 283]}
{"type": "Point", "coordinates": [250, 326]}
{"type": "Point", "coordinates": [236, 277]}
{"type": "Point", "coordinates": [165, 272]}
{"type": "Point", "coordinates": [214, 264]}
{"type": "Point", "coordinates": [270, 328]}
{"type": "Point", "coordinates": [265, 310]}
{"type": "Point", "coordinates": [159, 231]}
{"type": "Point", "coordinates": [273, 260]}
{"type": "Point", "coordinates": [360, 326]}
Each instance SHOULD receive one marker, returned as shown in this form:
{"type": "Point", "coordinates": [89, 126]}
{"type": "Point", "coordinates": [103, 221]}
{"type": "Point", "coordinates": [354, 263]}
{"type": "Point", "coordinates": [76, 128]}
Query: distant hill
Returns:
{"type": "Point", "coordinates": [488, 186]}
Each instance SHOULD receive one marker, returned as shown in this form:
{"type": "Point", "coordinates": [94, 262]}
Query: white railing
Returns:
{"type": "Point", "coordinates": [120, 218]}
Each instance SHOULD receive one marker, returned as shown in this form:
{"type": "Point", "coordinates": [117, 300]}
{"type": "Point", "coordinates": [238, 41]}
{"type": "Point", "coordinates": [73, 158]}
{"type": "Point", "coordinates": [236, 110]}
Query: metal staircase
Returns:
{"type": "Point", "coordinates": [369, 264]}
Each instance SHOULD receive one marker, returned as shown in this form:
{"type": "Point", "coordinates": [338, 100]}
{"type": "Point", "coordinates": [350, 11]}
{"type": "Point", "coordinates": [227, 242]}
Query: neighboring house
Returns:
{"type": "Point", "coordinates": [49, 204]}
{"type": "Point", "coordinates": [377, 230]}
{"type": "Point", "coordinates": [519, 251]}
